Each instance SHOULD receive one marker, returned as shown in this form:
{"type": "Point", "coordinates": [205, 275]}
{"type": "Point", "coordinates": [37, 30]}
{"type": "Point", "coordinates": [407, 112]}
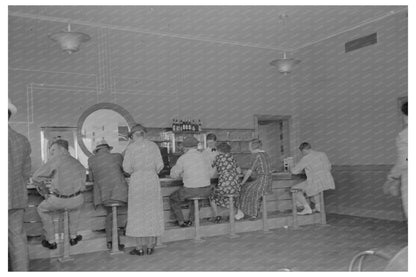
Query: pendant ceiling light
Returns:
{"type": "Point", "coordinates": [69, 41]}
{"type": "Point", "coordinates": [285, 65]}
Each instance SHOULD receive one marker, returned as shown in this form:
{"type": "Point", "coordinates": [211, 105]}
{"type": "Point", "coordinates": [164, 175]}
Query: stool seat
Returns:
{"type": "Point", "coordinates": [295, 189]}
{"type": "Point", "coordinates": [197, 198]}
{"type": "Point", "coordinates": [114, 203]}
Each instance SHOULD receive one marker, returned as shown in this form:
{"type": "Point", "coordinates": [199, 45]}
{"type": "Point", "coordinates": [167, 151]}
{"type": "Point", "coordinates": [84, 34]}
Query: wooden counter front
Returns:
{"type": "Point", "coordinates": [92, 218]}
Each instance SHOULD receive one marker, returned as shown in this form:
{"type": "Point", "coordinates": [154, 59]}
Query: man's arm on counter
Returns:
{"type": "Point", "coordinates": [45, 171]}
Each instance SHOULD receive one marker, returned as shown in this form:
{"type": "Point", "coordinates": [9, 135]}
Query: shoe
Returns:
{"type": "Point", "coordinates": [138, 252]}
{"type": "Point", "coordinates": [305, 212]}
{"type": "Point", "coordinates": [239, 215]}
{"type": "Point", "coordinates": [217, 219]}
{"type": "Point", "coordinates": [49, 245]}
{"type": "Point", "coordinates": [252, 218]}
{"type": "Point", "coordinates": [74, 241]}
{"type": "Point", "coordinates": [186, 224]}
{"type": "Point", "coordinates": [150, 251]}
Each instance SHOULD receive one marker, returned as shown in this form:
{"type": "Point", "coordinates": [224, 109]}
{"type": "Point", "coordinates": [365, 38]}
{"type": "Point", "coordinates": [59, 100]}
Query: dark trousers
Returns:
{"type": "Point", "coordinates": [177, 198]}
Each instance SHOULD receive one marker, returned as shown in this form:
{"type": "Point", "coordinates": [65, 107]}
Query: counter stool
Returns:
{"type": "Point", "coordinates": [294, 211]}
{"type": "Point", "coordinates": [322, 211]}
{"type": "Point", "coordinates": [114, 204]}
{"type": "Point", "coordinates": [196, 208]}
{"type": "Point", "coordinates": [232, 220]}
{"type": "Point", "coordinates": [264, 214]}
{"type": "Point", "coordinates": [65, 257]}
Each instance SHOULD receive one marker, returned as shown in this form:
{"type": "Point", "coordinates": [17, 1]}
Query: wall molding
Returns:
{"type": "Point", "coordinates": [362, 167]}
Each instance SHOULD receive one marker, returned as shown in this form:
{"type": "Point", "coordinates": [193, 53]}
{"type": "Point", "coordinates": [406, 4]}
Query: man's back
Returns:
{"type": "Point", "coordinates": [195, 169]}
{"type": "Point", "coordinates": [69, 174]}
{"type": "Point", "coordinates": [19, 164]}
{"type": "Point", "coordinates": [109, 182]}
{"type": "Point", "coordinates": [316, 162]}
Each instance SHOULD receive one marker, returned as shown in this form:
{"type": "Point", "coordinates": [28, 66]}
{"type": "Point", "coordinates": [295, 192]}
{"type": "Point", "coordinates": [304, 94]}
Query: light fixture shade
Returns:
{"type": "Point", "coordinates": [69, 41]}
{"type": "Point", "coordinates": [284, 65]}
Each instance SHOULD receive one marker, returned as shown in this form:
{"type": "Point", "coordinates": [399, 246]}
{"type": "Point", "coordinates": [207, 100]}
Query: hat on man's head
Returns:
{"type": "Point", "coordinates": [12, 108]}
{"type": "Point", "coordinates": [190, 142]}
{"type": "Point", "coordinates": [61, 142]}
{"type": "Point", "coordinates": [102, 144]}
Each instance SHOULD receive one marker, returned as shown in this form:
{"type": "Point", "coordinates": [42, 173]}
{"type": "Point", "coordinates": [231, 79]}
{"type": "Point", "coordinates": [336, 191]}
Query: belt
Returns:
{"type": "Point", "coordinates": [66, 196]}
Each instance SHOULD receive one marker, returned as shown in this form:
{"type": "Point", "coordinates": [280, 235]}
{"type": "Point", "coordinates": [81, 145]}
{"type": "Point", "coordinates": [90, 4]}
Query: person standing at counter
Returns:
{"type": "Point", "coordinates": [19, 172]}
{"type": "Point", "coordinates": [397, 179]}
{"type": "Point", "coordinates": [106, 169]}
{"type": "Point", "coordinates": [196, 172]}
{"type": "Point", "coordinates": [143, 162]}
{"type": "Point", "coordinates": [318, 177]}
{"type": "Point", "coordinates": [251, 193]}
{"type": "Point", "coordinates": [68, 179]}
{"type": "Point", "coordinates": [228, 180]}
{"type": "Point", "coordinates": [211, 152]}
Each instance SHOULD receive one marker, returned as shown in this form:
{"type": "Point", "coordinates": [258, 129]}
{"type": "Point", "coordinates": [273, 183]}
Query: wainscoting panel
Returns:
{"type": "Point", "coordinates": [359, 192]}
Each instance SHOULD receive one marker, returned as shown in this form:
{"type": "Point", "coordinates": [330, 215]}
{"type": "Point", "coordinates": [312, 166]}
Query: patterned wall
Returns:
{"type": "Point", "coordinates": [348, 101]}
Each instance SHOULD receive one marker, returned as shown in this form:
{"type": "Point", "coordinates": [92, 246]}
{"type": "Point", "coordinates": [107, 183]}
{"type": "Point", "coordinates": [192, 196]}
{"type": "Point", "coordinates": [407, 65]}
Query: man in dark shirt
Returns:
{"type": "Point", "coordinates": [19, 173]}
{"type": "Point", "coordinates": [109, 184]}
{"type": "Point", "coordinates": [68, 179]}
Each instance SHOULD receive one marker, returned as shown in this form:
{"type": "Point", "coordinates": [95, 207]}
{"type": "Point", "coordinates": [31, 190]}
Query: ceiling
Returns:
{"type": "Point", "coordinates": [285, 28]}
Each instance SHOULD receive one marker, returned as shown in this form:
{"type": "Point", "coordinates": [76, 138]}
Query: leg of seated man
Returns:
{"type": "Point", "coordinates": [175, 201]}
{"type": "Point", "coordinates": [300, 197]}
{"type": "Point", "coordinates": [196, 192]}
{"type": "Point", "coordinates": [44, 210]}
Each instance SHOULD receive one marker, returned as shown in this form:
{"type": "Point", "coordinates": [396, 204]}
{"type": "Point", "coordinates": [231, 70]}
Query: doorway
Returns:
{"type": "Point", "coordinates": [273, 131]}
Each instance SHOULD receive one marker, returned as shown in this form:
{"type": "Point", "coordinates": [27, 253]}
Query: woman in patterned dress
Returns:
{"type": "Point", "coordinates": [228, 182]}
{"type": "Point", "coordinates": [252, 192]}
{"type": "Point", "coordinates": [143, 162]}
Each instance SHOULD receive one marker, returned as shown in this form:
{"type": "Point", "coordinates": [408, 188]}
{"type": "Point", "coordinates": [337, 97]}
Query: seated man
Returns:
{"type": "Point", "coordinates": [68, 178]}
{"type": "Point", "coordinates": [196, 174]}
{"type": "Point", "coordinates": [106, 169]}
{"type": "Point", "coordinates": [318, 173]}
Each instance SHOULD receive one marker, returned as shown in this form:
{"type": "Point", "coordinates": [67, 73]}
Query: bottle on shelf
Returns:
{"type": "Point", "coordinates": [199, 125]}
{"type": "Point", "coordinates": [193, 126]}
{"type": "Point", "coordinates": [180, 126]}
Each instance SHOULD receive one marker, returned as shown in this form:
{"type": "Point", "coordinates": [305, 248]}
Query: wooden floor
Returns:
{"type": "Point", "coordinates": [310, 248]}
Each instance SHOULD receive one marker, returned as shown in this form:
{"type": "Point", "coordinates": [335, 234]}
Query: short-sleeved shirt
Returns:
{"type": "Point", "coordinates": [68, 174]}
{"type": "Point", "coordinates": [193, 168]}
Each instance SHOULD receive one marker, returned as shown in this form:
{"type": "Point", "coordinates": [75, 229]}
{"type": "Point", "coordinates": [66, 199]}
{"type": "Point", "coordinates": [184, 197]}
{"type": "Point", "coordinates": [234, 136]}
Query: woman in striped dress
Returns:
{"type": "Point", "coordinates": [252, 192]}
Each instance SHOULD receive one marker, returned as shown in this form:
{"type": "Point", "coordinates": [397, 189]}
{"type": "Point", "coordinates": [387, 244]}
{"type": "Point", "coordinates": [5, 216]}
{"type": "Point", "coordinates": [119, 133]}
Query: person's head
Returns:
{"type": "Point", "coordinates": [11, 108]}
{"type": "Point", "coordinates": [223, 147]}
{"type": "Point", "coordinates": [255, 144]}
{"type": "Point", "coordinates": [102, 146]}
{"type": "Point", "coordinates": [137, 132]}
{"type": "Point", "coordinates": [58, 147]}
{"type": "Point", "coordinates": [189, 142]}
{"type": "Point", "coordinates": [211, 140]}
{"type": "Point", "coordinates": [305, 148]}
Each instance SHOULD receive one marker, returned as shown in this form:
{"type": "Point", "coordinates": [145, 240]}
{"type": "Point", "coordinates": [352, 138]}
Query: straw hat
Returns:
{"type": "Point", "coordinates": [190, 142]}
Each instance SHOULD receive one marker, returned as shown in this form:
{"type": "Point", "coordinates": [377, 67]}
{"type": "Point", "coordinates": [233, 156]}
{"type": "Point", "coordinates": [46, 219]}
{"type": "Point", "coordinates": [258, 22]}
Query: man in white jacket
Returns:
{"type": "Point", "coordinates": [318, 173]}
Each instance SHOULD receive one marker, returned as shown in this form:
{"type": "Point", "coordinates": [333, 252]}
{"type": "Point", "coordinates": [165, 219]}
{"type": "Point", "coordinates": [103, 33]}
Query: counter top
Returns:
{"type": "Point", "coordinates": [168, 182]}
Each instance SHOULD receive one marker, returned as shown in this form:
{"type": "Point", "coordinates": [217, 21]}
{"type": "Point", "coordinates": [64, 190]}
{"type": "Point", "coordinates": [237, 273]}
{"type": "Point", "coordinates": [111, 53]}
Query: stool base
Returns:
{"type": "Point", "coordinates": [65, 259]}
{"type": "Point", "coordinates": [115, 252]}
{"type": "Point", "coordinates": [199, 240]}
{"type": "Point", "coordinates": [233, 236]}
